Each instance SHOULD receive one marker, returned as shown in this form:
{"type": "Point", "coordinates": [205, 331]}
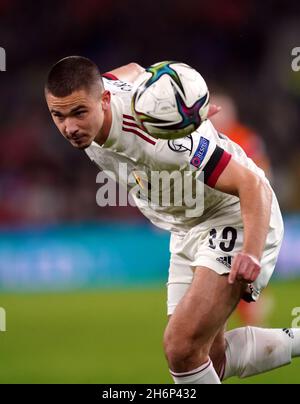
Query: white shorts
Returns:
{"type": "Point", "coordinates": [213, 244]}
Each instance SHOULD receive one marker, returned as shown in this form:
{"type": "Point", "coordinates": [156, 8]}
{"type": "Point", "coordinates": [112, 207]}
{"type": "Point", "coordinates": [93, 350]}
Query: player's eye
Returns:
{"type": "Point", "coordinates": [80, 113]}
{"type": "Point", "coordinates": [59, 117]}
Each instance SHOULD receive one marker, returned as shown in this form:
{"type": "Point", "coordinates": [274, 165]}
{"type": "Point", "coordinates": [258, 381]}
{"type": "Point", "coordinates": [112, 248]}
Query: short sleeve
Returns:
{"type": "Point", "coordinates": [109, 76]}
{"type": "Point", "coordinates": [196, 152]}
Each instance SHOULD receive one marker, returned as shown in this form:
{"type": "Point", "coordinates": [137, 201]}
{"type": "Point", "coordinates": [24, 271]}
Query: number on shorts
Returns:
{"type": "Point", "coordinates": [229, 234]}
{"type": "Point", "coordinates": [213, 235]}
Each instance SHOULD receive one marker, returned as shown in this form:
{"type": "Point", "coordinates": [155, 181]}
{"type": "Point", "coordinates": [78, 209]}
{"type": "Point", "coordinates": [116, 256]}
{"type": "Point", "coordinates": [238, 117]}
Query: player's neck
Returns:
{"type": "Point", "coordinates": [104, 132]}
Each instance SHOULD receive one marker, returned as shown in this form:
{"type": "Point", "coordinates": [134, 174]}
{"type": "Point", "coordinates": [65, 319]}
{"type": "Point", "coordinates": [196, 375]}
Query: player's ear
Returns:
{"type": "Point", "coordinates": [105, 100]}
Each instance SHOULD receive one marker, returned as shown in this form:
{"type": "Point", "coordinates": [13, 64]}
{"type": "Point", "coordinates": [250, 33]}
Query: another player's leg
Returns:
{"type": "Point", "coordinates": [196, 321]}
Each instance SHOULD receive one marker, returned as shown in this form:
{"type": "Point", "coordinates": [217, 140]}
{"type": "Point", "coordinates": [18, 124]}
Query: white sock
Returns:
{"type": "Point", "coordinates": [295, 338]}
{"type": "Point", "coordinates": [205, 374]}
{"type": "Point", "coordinates": [252, 350]}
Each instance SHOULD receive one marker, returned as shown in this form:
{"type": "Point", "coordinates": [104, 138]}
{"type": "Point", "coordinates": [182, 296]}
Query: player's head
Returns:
{"type": "Point", "coordinates": [77, 100]}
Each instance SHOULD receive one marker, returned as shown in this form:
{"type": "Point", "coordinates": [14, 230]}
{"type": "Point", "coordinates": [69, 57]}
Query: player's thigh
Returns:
{"type": "Point", "coordinates": [206, 305]}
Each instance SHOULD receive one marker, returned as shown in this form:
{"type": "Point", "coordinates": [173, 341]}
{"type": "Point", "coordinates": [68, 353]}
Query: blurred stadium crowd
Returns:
{"type": "Point", "coordinates": [243, 49]}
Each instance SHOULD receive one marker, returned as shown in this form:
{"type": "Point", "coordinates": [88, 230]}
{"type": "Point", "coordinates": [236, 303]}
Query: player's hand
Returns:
{"type": "Point", "coordinates": [213, 110]}
{"type": "Point", "coordinates": [245, 267]}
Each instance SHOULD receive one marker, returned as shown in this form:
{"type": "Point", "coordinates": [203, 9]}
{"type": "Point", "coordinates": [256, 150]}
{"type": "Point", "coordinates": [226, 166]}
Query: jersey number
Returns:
{"type": "Point", "coordinates": [229, 234]}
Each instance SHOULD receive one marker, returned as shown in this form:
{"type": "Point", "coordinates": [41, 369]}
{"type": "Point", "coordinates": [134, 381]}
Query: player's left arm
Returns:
{"type": "Point", "coordinates": [128, 73]}
{"type": "Point", "coordinates": [255, 198]}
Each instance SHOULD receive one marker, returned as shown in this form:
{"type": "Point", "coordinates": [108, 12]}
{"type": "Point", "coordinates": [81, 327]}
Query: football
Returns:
{"type": "Point", "coordinates": [170, 100]}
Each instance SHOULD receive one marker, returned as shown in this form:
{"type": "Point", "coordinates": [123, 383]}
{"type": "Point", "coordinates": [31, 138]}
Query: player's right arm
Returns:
{"type": "Point", "coordinates": [128, 73]}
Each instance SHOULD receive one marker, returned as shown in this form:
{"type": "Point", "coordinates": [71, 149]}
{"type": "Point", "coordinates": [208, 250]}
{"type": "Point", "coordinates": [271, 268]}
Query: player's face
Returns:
{"type": "Point", "coordinates": [79, 116]}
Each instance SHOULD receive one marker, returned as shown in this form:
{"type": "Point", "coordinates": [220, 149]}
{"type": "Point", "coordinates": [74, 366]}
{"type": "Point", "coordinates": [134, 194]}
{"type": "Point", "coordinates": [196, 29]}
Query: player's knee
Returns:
{"type": "Point", "coordinates": [182, 357]}
{"type": "Point", "coordinates": [181, 351]}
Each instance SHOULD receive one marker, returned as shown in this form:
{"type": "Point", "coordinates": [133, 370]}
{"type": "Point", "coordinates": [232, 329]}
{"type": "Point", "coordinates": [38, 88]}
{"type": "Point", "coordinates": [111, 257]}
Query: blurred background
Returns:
{"type": "Point", "coordinates": [80, 291]}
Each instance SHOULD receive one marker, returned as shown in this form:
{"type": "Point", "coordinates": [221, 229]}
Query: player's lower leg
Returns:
{"type": "Point", "coordinates": [194, 325]}
{"type": "Point", "coordinates": [252, 350]}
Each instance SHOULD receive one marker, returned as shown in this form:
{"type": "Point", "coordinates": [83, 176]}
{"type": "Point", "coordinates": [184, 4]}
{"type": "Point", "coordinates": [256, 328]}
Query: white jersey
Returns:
{"type": "Point", "coordinates": [204, 151]}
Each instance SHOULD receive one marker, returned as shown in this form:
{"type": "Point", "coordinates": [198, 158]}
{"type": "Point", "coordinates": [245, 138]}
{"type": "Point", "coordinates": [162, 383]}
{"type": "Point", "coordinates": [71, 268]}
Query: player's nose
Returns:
{"type": "Point", "coordinates": [70, 128]}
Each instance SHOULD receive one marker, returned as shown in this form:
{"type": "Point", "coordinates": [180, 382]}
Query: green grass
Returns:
{"type": "Point", "coordinates": [105, 337]}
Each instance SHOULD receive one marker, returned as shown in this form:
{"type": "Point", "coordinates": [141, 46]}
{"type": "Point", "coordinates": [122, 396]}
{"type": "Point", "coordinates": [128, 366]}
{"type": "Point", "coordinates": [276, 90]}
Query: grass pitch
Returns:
{"type": "Point", "coordinates": [106, 336]}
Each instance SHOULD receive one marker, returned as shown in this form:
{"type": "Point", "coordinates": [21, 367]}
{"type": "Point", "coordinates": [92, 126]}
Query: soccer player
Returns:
{"type": "Point", "coordinates": [225, 254]}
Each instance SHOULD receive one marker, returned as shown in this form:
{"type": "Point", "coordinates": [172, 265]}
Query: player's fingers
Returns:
{"type": "Point", "coordinates": [234, 270]}
{"type": "Point", "coordinates": [213, 110]}
{"type": "Point", "coordinates": [232, 276]}
{"type": "Point", "coordinates": [254, 274]}
{"type": "Point", "coordinates": [244, 268]}
{"type": "Point", "coordinates": [251, 273]}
